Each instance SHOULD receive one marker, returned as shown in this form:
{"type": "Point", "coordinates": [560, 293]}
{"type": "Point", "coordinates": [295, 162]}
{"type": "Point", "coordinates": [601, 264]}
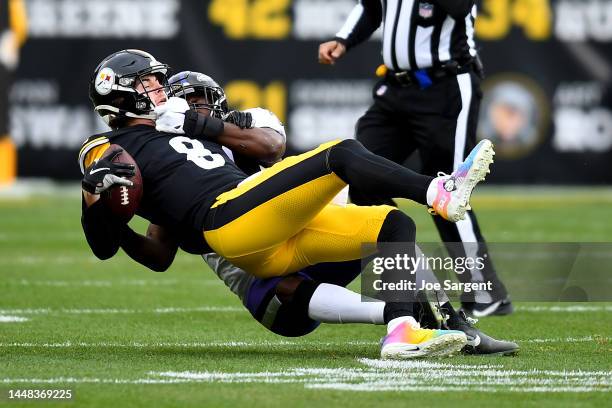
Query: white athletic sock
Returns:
{"type": "Point", "coordinates": [393, 323]}
{"type": "Point", "coordinates": [336, 304]}
{"type": "Point", "coordinates": [432, 191]}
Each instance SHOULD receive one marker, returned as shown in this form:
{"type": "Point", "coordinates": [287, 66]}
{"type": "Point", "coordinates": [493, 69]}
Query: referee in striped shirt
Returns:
{"type": "Point", "coordinates": [427, 101]}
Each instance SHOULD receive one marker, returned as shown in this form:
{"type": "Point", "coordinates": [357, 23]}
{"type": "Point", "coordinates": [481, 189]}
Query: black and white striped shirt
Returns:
{"type": "Point", "coordinates": [417, 34]}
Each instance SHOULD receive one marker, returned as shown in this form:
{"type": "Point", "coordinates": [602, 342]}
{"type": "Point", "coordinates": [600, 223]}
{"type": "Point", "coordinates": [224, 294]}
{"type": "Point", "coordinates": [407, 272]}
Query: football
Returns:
{"type": "Point", "coordinates": [121, 200]}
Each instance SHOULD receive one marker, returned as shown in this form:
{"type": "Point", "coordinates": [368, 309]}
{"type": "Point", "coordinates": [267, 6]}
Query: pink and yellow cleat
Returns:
{"type": "Point", "coordinates": [453, 191]}
{"type": "Point", "coordinates": [407, 340]}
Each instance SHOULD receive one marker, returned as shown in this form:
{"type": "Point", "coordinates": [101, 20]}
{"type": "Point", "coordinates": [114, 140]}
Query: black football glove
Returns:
{"type": "Point", "coordinates": [244, 120]}
{"type": "Point", "coordinates": [103, 174]}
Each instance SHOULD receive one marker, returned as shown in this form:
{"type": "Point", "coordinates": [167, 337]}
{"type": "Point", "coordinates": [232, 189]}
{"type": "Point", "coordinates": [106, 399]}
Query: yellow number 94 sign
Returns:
{"type": "Point", "coordinates": [497, 17]}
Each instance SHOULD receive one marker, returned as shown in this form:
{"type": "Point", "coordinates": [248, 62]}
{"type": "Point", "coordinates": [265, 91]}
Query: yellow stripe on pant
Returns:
{"type": "Point", "coordinates": [266, 174]}
{"type": "Point", "coordinates": [296, 228]}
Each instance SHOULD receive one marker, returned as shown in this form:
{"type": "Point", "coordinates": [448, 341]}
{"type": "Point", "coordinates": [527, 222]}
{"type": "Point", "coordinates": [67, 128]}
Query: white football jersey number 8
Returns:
{"type": "Point", "coordinates": [197, 153]}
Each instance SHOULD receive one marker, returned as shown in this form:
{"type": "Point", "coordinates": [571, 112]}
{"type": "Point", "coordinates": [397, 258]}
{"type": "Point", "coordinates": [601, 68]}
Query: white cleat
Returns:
{"type": "Point", "coordinates": [454, 191]}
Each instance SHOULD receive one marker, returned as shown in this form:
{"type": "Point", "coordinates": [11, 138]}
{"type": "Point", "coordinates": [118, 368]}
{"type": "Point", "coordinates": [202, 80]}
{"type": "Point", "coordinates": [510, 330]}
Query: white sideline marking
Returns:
{"type": "Point", "coordinates": [12, 319]}
{"type": "Point", "coordinates": [585, 339]}
{"type": "Point", "coordinates": [36, 260]}
{"type": "Point", "coordinates": [110, 283]}
{"type": "Point", "coordinates": [220, 344]}
{"type": "Point", "coordinates": [160, 310]}
{"type": "Point", "coordinates": [562, 309]}
{"type": "Point", "coordinates": [247, 344]}
{"type": "Point", "coordinates": [380, 375]}
{"type": "Point", "coordinates": [64, 259]}
{"type": "Point", "coordinates": [235, 309]}
{"type": "Point", "coordinates": [96, 283]}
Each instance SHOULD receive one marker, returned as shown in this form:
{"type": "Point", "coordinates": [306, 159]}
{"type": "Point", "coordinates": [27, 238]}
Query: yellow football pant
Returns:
{"type": "Point", "coordinates": [281, 221]}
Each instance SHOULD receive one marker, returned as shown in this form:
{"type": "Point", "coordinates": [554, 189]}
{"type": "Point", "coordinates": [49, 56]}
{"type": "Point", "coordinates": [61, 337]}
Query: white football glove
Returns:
{"type": "Point", "coordinates": [104, 173]}
{"type": "Point", "coordinates": [171, 116]}
{"type": "Point", "coordinates": [263, 118]}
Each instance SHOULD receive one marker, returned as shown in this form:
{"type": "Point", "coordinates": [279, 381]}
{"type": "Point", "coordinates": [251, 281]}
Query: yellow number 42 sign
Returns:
{"type": "Point", "coordinates": [258, 19]}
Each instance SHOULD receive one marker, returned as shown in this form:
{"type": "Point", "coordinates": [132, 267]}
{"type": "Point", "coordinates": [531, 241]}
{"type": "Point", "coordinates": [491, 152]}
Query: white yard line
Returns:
{"type": "Point", "coordinates": [565, 308]}
{"type": "Point", "coordinates": [380, 375]}
{"type": "Point", "coordinates": [12, 319]}
{"type": "Point", "coordinates": [264, 343]}
{"type": "Point", "coordinates": [214, 344]}
{"type": "Point", "coordinates": [110, 283]}
{"type": "Point", "coordinates": [236, 309]}
{"type": "Point", "coordinates": [585, 339]}
{"type": "Point", "coordinates": [160, 310]}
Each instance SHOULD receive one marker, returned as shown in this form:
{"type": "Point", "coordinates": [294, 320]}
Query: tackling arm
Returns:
{"type": "Point", "coordinates": [256, 133]}
{"type": "Point", "coordinates": [264, 144]}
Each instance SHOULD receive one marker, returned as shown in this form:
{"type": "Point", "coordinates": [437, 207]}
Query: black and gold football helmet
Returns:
{"type": "Point", "coordinates": [112, 87]}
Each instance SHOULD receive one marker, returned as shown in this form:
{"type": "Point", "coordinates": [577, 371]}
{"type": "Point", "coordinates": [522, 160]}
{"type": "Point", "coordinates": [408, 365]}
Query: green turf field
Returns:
{"type": "Point", "coordinates": [119, 335]}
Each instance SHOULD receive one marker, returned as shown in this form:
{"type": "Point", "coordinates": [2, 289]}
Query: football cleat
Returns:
{"type": "Point", "coordinates": [479, 343]}
{"type": "Point", "coordinates": [454, 191]}
{"type": "Point", "coordinates": [407, 340]}
{"type": "Point", "coordinates": [499, 308]}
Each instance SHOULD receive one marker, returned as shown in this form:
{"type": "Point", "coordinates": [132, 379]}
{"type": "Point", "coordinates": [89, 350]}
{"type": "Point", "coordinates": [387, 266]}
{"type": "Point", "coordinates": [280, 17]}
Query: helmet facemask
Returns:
{"type": "Point", "coordinates": [213, 98]}
{"type": "Point", "coordinates": [189, 84]}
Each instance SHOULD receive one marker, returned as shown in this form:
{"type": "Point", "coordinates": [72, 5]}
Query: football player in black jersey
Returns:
{"type": "Point", "coordinates": [276, 223]}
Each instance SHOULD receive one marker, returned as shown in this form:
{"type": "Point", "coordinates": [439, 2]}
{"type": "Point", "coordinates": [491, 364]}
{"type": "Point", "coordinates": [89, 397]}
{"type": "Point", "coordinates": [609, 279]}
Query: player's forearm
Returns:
{"type": "Point", "coordinates": [101, 230]}
{"type": "Point", "coordinates": [363, 20]}
{"type": "Point", "coordinates": [263, 144]}
{"type": "Point", "coordinates": [148, 251]}
{"type": "Point", "coordinates": [457, 8]}
{"type": "Point", "coordinates": [89, 199]}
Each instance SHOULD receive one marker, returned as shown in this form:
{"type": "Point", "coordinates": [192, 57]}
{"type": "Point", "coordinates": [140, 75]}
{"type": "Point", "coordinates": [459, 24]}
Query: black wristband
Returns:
{"type": "Point", "coordinates": [202, 127]}
{"type": "Point", "coordinates": [343, 41]}
{"type": "Point", "coordinates": [88, 187]}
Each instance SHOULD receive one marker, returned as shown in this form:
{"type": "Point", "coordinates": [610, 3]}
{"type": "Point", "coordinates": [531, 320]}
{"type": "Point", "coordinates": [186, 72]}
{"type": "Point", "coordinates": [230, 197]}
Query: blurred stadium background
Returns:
{"type": "Point", "coordinates": [547, 102]}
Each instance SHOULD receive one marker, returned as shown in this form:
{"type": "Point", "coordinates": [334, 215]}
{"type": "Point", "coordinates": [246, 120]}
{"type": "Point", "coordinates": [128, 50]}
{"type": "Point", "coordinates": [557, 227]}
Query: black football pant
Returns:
{"type": "Point", "coordinates": [440, 124]}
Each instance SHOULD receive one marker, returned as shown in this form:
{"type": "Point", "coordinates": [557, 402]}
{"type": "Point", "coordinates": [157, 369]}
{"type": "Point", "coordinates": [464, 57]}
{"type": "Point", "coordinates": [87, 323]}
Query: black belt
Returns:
{"type": "Point", "coordinates": [428, 76]}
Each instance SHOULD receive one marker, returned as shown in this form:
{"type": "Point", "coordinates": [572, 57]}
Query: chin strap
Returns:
{"type": "Point", "coordinates": [118, 112]}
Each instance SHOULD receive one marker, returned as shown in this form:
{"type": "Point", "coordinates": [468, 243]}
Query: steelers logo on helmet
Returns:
{"type": "Point", "coordinates": [105, 81]}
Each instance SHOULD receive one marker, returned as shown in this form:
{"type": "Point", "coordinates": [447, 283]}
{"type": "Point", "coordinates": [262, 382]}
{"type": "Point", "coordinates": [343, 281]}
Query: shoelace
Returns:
{"type": "Point", "coordinates": [470, 320]}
